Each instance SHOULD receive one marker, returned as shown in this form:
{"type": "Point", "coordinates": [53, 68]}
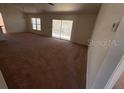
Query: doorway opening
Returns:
{"type": "Point", "coordinates": [2, 25]}
{"type": "Point", "coordinates": [62, 29]}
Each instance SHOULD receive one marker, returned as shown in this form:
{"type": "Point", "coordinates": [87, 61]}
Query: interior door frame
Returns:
{"type": "Point", "coordinates": [116, 74]}
{"type": "Point", "coordinates": [3, 84]}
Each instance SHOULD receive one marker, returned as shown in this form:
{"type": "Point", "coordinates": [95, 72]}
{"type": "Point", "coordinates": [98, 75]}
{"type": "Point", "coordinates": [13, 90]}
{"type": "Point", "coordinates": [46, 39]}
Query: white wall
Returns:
{"type": "Point", "coordinates": [82, 26]}
{"type": "Point", "coordinates": [109, 14]}
{"type": "Point", "coordinates": [13, 19]}
{"type": "Point", "coordinates": [111, 60]}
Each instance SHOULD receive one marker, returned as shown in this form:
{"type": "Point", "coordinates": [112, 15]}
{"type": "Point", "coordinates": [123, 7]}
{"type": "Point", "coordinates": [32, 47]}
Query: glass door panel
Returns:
{"type": "Point", "coordinates": [66, 29]}
{"type": "Point", "coordinates": [56, 28]}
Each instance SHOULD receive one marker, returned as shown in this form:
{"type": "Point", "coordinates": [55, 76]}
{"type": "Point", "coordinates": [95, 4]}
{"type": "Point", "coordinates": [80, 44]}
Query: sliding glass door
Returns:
{"type": "Point", "coordinates": [62, 29]}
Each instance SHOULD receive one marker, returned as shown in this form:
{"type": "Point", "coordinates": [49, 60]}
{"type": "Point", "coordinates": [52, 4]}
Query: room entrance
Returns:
{"type": "Point", "coordinates": [2, 24]}
{"type": "Point", "coordinates": [62, 29]}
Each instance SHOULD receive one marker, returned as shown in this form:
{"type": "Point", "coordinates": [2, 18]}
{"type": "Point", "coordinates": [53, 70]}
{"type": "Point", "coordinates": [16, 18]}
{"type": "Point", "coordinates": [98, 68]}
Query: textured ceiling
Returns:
{"type": "Point", "coordinates": [58, 7]}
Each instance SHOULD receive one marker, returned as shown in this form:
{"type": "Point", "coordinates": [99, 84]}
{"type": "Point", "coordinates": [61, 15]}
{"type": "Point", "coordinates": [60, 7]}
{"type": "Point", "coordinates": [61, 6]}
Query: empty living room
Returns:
{"type": "Point", "coordinates": [45, 45]}
{"type": "Point", "coordinates": [61, 45]}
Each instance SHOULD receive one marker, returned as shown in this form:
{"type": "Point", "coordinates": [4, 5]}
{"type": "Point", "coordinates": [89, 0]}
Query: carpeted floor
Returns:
{"type": "Point", "coordinates": [32, 61]}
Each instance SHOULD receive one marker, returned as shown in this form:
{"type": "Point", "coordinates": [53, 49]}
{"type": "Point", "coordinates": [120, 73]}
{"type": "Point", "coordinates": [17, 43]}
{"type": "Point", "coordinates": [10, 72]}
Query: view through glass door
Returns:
{"type": "Point", "coordinates": [62, 29]}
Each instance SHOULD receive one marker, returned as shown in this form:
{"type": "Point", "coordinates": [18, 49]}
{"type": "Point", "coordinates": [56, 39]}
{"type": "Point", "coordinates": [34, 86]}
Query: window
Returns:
{"type": "Point", "coordinates": [36, 24]}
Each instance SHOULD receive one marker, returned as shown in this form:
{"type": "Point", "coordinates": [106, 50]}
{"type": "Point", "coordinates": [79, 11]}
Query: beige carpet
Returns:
{"type": "Point", "coordinates": [32, 61]}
